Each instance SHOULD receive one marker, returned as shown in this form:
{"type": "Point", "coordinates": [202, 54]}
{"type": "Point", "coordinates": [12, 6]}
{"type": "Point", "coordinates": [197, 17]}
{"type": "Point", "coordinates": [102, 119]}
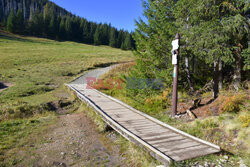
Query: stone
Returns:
{"type": "Point", "coordinates": [226, 157]}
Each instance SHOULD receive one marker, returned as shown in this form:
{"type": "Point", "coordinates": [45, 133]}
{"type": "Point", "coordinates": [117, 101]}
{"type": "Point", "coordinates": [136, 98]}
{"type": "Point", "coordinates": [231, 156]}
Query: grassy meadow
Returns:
{"type": "Point", "coordinates": [37, 69]}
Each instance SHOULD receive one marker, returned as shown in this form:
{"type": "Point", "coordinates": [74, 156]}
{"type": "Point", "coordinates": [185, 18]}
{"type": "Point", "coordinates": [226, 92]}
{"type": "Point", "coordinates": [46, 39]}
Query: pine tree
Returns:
{"type": "Point", "coordinates": [153, 40]}
{"type": "Point", "coordinates": [86, 32]}
{"type": "Point", "coordinates": [57, 32]}
{"type": "Point", "coordinates": [11, 22]}
{"type": "Point", "coordinates": [19, 22]}
{"type": "Point", "coordinates": [52, 27]}
{"type": "Point", "coordinates": [236, 27]}
{"type": "Point", "coordinates": [120, 38]}
{"type": "Point", "coordinates": [98, 36]}
{"type": "Point", "coordinates": [68, 28]}
{"type": "Point", "coordinates": [37, 24]}
{"type": "Point", "coordinates": [62, 31]}
{"type": "Point", "coordinates": [127, 44]}
{"type": "Point", "coordinates": [112, 38]}
{"type": "Point", "coordinates": [93, 28]}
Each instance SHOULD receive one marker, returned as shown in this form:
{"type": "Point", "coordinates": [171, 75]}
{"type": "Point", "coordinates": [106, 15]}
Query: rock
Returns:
{"type": "Point", "coordinates": [206, 164]}
{"type": "Point", "coordinates": [242, 165]}
{"type": "Point", "coordinates": [226, 157]}
{"type": "Point", "coordinates": [63, 153]}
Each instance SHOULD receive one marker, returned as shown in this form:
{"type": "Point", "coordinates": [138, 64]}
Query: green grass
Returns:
{"type": "Point", "coordinates": [39, 68]}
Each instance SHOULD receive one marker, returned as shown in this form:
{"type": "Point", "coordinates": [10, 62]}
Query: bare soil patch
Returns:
{"type": "Point", "coordinates": [73, 141]}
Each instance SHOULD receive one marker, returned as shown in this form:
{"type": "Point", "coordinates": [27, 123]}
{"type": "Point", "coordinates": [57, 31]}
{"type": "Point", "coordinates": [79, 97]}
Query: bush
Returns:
{"type": "Point", "coordinates": [245, 120]}
{"type": "Point", "coordinates": [232, 104]}
{"type": "Point", "coordinates": [160, 100]}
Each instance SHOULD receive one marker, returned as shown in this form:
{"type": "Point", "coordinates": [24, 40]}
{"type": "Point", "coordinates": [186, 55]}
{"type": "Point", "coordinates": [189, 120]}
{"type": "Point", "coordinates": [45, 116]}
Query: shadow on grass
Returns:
{"type": "Point", "coordinates": [3, 86]}
{"type": "Point", "coordinates": [15, 38]}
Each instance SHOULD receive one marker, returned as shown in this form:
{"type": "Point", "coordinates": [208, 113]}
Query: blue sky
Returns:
{"type": "Point", "coordinates": [120, 13]}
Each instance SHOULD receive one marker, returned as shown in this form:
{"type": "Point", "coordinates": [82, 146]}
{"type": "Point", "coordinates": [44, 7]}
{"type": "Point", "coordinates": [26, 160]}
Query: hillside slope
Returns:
{"type": "Point", "coordinates": [28, 7]}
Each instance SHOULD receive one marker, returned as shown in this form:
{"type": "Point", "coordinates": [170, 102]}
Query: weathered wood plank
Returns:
{"type": "Point", "coordinates": [166, 142]}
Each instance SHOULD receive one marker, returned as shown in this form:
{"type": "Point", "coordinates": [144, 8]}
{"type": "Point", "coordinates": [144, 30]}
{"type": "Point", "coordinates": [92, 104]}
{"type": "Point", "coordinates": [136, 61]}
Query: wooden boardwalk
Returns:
{"type": "Point", "coordinates": [164, 142]}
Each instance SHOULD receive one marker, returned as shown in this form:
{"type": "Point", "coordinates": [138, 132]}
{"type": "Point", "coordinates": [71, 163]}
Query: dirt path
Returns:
{"type": "Point", "coordinates": [73, 141]}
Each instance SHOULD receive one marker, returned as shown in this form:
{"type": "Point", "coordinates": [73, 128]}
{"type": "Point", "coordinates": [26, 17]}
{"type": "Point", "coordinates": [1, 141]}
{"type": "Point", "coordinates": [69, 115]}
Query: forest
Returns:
{"type": "Point", "coordinates": [46, 19]}
{"type": "Point", "coordinates": [214, 49]}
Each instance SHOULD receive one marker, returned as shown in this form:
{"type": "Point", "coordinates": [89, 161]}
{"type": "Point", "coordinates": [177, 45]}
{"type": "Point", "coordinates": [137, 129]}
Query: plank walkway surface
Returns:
{"type": "Point", "coordinates": [164, 142]}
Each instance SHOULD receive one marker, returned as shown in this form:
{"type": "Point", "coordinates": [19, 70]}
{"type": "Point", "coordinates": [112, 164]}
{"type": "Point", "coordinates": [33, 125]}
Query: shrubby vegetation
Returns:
{"type": "Point", "coordinates": [50, 21]}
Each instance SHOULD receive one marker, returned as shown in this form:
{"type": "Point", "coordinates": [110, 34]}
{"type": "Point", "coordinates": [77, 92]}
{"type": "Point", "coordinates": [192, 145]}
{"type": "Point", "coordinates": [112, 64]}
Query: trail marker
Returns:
{"type": "Point", "coordinates": [175, 55]}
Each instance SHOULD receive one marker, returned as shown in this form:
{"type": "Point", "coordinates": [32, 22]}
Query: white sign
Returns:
{"type": "Point", "coordinates": [174, 59]}
{"type": "Point", "coordinates": [175, 44]}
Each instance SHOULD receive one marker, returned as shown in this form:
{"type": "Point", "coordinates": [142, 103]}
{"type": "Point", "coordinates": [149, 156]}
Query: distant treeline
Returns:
{"type": "Point", "coordinates": [45, 19]}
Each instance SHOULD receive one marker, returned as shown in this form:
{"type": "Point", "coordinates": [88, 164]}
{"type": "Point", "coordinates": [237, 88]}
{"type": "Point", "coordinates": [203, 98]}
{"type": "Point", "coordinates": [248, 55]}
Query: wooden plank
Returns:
{"type": "Point", "coordinates": [164, 136]}
{"type": "Point", "coordinates": [171, 140]}
{"type": "Point", "coordinates": [187, 150]}
{"type": "Point", "coordinates": [194, 154]}
{"type": "Point", "coordinates": [178, 146]}
{"type": "Point", "coordinates": [164, 140]}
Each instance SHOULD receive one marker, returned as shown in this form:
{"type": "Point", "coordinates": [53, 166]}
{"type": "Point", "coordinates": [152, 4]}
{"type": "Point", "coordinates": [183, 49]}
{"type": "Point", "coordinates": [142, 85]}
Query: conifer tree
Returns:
{"type": "Point", "coordinates": [37, 24]}
{"type": "Point", "coordinates": [120, 38]}
{"type": "Point", "coordinates": [153, 40]}
{"type": "Point", "coordinates": [112, 38]}
{"type": "Point", "coordinates": [52, 27]}
{"type": "Point", "coordinates": [19, 22]}
{"type": "Point", "coordinates": [11, 22]}
{"type": "Point", "coordinates": [86, 32]}
{"type": "Point", "coordinates": [127, 42]}
{"type": "Point", "coordinates": [62, 31]}
{"type": "Point", "coordinates": [98, 36]}
{"type": "Point", "coordinates": [68, 27]}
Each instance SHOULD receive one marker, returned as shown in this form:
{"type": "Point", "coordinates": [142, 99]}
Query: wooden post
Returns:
{"type": "Point", "coordinates": [175, 77]}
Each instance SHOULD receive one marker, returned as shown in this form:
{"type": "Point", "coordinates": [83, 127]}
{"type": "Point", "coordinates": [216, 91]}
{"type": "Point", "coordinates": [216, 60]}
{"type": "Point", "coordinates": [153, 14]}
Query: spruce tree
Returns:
{"type": "Point", "coordinates": [98, 36]}
{"type": "Point", "coordinates": [52, 27]}
{"type": "Point", "coordinates": [37, 24]}
{"type": "Point", "coordinates": [19, 22]}
{"type": "Point", "coordinates": [62, 31]}
{"type": "Point", "coordinates": [127, 42]}
{"type": "Point", "coordinates": [11, 22]}
{"type": "Point", "coordinates": [112, 38]}
{"type": "Point", "coordinates": [86, 32]}
{"type": "Point", "coordinates": [69, 28]}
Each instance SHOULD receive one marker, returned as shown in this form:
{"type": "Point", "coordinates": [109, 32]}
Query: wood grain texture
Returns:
{"type": "Point", "coordinates": [161, 140]}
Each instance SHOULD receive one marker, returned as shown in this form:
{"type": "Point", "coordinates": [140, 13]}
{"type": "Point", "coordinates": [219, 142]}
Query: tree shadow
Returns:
{"type": "Point", "coordinates": [3, 86]}
{"type": "Point", "coordinates": [15, 38]}
{"type": "Point", "coordinates": [198, 105]}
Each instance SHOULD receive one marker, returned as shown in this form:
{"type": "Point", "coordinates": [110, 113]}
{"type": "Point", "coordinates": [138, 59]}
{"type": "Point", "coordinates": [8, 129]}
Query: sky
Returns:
{"type": "Point", "coordinates": [120, 13]}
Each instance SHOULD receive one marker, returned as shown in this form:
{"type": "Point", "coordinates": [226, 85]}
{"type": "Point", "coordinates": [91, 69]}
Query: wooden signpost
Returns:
{"type": "Point", "coordinates": [175, 55]}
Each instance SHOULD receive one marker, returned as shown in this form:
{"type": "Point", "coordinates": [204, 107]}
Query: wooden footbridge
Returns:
{"type": "Point", "coordinates": [165, 143]}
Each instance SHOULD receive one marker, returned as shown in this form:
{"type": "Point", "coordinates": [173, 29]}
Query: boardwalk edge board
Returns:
{"type": "Point", "coordinates": [124, 132]}
{"type": "Point", "coordinates": [156, 153]}
{"type": "Point", "coordinates": [161, 123]}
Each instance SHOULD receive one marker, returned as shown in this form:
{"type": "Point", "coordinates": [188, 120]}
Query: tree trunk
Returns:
{"type": "Point", "coordinates": [188, 74]}
{"type": "Point", "coordinates": [215, 80]}
{"type": "Point", "coordinates": [238, 67]}
{"type": "Point", "coordinates": [220, 74]}
{"type": "Point", "coordinates": [237, 73]}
